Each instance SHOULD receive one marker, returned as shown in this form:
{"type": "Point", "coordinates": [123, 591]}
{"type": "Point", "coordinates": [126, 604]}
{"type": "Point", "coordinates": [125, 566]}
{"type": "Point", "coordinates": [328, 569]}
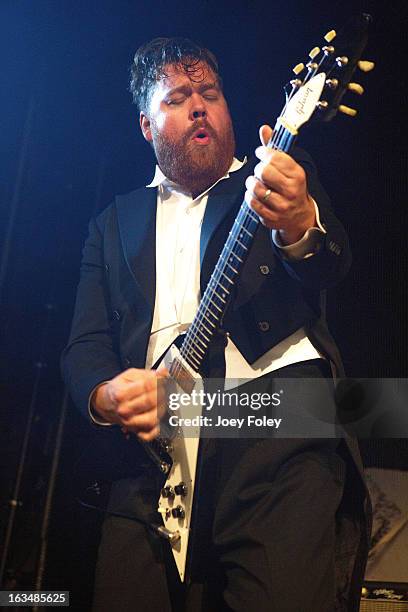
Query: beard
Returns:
{"type": "Point", "coordinates": [193, 166]}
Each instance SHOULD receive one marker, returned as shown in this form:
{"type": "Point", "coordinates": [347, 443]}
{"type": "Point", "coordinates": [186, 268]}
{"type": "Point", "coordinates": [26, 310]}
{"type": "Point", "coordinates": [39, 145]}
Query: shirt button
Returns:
{"type": "Point", "coordinates": [264, 269]}
{"type": "Point", "coordinates": [263, 325]}
{"type": "Point", "coordinates": [116, 315]}
{"type": "Point", "coordinates": [127, 362]}
{"type": "Point", "coordinates": [106, 267]}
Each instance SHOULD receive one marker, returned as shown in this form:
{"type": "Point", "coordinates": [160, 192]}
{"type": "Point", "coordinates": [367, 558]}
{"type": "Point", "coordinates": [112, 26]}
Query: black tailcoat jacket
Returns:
{"type": "Point", "coordinates": [273, 297]}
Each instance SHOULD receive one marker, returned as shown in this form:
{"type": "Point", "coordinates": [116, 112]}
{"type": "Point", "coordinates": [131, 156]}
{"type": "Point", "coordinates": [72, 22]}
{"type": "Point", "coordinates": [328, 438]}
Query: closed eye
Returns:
{"type": "Point", "coordinates": [176, 100]}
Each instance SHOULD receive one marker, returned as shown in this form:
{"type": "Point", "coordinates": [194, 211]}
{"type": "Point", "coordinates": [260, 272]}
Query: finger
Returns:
{"type": "Point", "coordinates": [149, 436]}
{"type": "Point", "coordinates": [264, 192]}
{"type": "Point", "coordinates": [136, 374]}
{"type": "Point", "coordinates": [271, 177]}
{"type": "Point", "coordinates": [267, 216]}
{"type": "Point", "coordinates": [265, 134]}
{"type": "Point", "coordinates": [144, 403]}
{"type": "Point", "coordinates": [144, 422]}
{"type": "Point", "coordinates": [124, 391]}
{"type": "Point", "coordinates": [162, 372]}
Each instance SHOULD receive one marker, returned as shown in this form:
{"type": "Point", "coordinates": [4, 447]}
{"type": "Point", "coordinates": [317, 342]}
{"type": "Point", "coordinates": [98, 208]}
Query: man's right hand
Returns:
{"type": "Point", "coordinates": [135, 400]}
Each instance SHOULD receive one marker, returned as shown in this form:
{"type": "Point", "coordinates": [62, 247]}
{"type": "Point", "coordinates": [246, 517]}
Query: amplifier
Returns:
{"type": "Point", "coordinates": [384, 597]}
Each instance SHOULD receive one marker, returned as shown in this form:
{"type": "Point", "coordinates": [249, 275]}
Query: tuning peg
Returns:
{"type": "Point", "coordinates": [312, 65]}
{"type": "Point", "coordinates": [296, 82]}
{"type": "Point", "coordinates": [330, 35]}
{"type": "Point", "coordinates": [332, 83]}
{"type": "Point", "coordinates": [327, 50]}
{"type": "Point", "coordinates": [351, 112]}
{"type": "Point", "coordinates": [365, 65]}
{"type": "Point", "coordinates": [322, 105]}
{"type": "Point", "coordinates": [342, 61]}
{"type": "Point", "coordinates": [315, 51]}
{"type": "Point", "coordinates": [298, 68]}
{"type": "Point", "coordinates": [356, 88]}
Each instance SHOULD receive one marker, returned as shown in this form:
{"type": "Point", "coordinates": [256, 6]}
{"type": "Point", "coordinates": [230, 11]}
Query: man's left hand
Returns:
{"type": "Point", "coordinates": [278, 192]}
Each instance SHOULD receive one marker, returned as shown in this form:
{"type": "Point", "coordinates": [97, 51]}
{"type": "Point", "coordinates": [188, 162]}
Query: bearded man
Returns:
{"type": "Point", "coordinates": [285, 533]}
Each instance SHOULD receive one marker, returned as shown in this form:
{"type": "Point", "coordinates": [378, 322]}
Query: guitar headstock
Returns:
{"type": "Point", "coordinates": [327, 77]}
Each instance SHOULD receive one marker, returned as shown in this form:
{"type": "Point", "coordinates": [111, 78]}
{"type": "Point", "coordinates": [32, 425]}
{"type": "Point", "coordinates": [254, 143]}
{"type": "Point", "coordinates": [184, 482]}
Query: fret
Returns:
{"type": "Point", "coordinates": [202, 333]}
{"type": "Point", "coordinates": [232, 267]}
{"type": "Point", "coordinates": [191, 348]}
{"type": "Point", "coordinates": [253, 216]}
{"type": "Point", "coordinates": [242, 245]}
{"type": "Point", "coordinates": [214, 304]}
{"type": "Point", "coordinates": [197, 337]}
{"type": "Point", "coordinates": [210, 322]}
{"type": "Point", "coordinates": [237, 257]}
{"type": "Point", "coordinates": [228, 278]}
{"type": "Point", "coordinates": [223, 288]}
{"type": "Point", "coordinates": [219, 297]}
{"type": "Point", "coordinates": [197, 347]}
{"type": "Point", "coordinates": [190, 360]}
{"type": "Point", "coordinates": [245, 230]}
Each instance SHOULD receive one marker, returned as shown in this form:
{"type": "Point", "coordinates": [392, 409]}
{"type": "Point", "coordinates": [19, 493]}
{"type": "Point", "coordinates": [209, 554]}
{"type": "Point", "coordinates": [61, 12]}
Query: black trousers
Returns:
{"type": "Point", "coordinates": [278, 535]}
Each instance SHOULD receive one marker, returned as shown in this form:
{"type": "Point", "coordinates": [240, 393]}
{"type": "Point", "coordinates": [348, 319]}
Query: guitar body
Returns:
{"type": "Point", "coordinates": [176, 499]}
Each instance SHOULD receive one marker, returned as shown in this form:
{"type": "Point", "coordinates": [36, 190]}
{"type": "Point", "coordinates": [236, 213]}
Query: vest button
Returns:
{"type": "Point", "coordinates": [116, 315]}
{"type": "Point", "coordinates": [263, 325]}
{"type": "Point", "coordinates": [264, 269]}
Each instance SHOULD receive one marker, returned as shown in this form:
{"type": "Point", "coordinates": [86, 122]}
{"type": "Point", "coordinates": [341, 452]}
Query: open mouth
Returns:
{"type": "Point", "coordinates": [201, 136]}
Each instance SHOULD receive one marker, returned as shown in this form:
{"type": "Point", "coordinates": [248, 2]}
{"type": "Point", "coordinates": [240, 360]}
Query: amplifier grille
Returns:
{"type": "Point", "coordinates": [384, 597]}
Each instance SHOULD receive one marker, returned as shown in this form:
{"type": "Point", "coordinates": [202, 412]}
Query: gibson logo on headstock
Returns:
{"type": "Point", "coordinates": [300, 105]}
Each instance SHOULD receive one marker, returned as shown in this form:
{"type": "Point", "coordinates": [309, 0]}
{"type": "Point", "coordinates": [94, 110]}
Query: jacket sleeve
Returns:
{"type": "Point", "coordinates": [332, 261]}
{"type": "Point", "coordinates": [90, 356]}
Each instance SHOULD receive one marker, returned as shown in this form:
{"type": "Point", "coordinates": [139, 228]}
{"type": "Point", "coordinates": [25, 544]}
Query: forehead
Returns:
{"type": "Point", "coordinates": [175, 75]}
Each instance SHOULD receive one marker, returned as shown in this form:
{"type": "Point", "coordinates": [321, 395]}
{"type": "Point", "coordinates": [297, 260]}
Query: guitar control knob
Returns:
{"type": "Point", "coordinates": [181, 489]}
{"type": "Point", "coordinates": [178, 512]}
{"type": "Point", "coordinates": [164, 467]}
{"type": "Point", "coordinates": [167, 492]}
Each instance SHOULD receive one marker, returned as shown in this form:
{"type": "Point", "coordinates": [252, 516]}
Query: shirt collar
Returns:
{"type": "Point", "coordinates": [160, 178]}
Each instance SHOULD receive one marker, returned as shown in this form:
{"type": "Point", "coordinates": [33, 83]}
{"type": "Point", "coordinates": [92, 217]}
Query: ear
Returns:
{"type": "Point", "coordinates": [144, 122]}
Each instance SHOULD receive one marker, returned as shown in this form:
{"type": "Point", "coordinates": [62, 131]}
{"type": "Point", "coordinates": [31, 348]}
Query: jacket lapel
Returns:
{"type": "Point", "coordinates": [137, 228]}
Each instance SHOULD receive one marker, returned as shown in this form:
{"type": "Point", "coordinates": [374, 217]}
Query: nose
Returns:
{"type": "Point", "coordinates": [197, 110]}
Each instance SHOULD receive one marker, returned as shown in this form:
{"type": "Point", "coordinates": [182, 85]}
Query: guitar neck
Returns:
{"type": "Point", "coordinates": [214, 302]}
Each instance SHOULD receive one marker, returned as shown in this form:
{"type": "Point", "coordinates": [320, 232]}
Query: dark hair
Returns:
{"type": "Point", "coordinates": [151, 59]}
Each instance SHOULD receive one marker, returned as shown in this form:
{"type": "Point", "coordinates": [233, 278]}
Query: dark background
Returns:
{"type": "Point", "coordinates": [70, 141]}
